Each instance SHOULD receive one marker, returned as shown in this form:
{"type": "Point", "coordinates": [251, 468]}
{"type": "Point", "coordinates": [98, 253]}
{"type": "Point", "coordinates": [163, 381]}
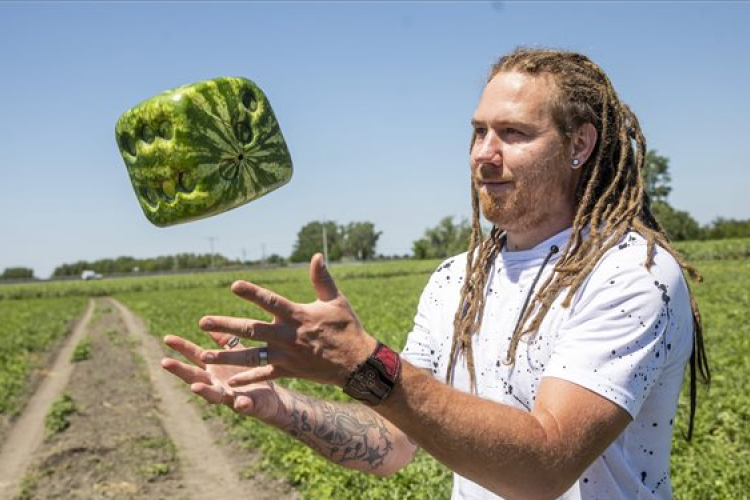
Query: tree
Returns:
{"type": "Point", "coordinates": [656, 176]}
{"type": "Point", "coordinates": [17, 273]}
{"type": "Point", "coordinates": [678, 225]}
{"type": "Point", "coordinates": [125, 265]}
{"type": "Point", "coordinates": [722, 228]}
{"type": "Point", "coordinates": [444, 240]}
{"type": "Point", "coordinates": [275, 260]}
{"type": "Point", "coordinates": [310, 241]}
{"type": "Point", "coordinates": [360, 240]}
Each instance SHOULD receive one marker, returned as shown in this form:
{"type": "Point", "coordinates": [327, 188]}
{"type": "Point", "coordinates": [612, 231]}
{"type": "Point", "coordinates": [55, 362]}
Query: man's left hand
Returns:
{"type": "Point", "coordinates": [322, 341]}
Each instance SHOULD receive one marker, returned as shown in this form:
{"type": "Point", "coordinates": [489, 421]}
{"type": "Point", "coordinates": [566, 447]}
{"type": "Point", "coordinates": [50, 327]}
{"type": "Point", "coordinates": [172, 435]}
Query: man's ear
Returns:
{"type": "Point", "coordinates": [583, 142]}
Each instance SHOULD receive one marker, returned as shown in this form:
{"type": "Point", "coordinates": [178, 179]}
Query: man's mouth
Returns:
{"type": "Point", "coordinates": [493, 186]}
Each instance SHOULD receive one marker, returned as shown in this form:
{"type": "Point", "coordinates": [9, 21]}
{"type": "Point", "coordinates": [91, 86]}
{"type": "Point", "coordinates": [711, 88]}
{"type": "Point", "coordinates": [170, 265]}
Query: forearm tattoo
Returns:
{"type": "Point", "coordinates": [340, 432]}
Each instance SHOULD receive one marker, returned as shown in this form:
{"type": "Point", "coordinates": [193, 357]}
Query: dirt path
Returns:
{"type": "Point", "coordinates": [134, 433]}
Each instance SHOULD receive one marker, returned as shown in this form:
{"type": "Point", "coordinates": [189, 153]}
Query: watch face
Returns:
{"type": "Point", "coordinates": [372, 381]}
{"type": "Point", "coordinates": [369, 376]}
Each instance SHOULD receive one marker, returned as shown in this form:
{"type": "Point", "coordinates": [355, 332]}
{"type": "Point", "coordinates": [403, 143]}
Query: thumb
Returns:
{"type": "Point", "coordinates": [325, 287]}
{"type": "Point", "coordinates": [244, 405]}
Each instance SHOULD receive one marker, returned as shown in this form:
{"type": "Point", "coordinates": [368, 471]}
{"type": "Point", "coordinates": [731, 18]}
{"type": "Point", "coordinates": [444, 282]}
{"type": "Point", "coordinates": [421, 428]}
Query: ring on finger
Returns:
{"type": "Point", "coordinates": [263, 356]}
{"type": "Point", "coordinates": [232, 342]}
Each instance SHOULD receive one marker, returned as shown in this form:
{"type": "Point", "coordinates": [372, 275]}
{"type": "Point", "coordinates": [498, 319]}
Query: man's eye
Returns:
{"type": "Point", "coordinates": [480, 132]}
{"type": "Point", "coordinates": [513, 134]}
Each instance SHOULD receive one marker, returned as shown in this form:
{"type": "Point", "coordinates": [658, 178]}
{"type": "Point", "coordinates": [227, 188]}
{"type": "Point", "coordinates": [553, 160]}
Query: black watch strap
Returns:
{"type": "Point", "coordinates": [372, 381]}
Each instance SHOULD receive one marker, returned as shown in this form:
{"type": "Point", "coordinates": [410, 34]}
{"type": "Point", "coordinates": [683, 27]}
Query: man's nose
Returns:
{"type": "Point", "coordinates": [487, 149]}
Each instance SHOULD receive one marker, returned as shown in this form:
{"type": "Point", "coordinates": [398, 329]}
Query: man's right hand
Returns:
{"type": "Point", "coordinates": [259, 400]}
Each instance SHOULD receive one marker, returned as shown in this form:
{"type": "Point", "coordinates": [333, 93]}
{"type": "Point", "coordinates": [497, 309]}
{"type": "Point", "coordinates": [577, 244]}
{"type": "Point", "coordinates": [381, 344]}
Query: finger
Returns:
{"type": "Point", "coordinates": [266, 299]}
{"type": "Point", "coordinates": [244, 405]}
{"type": "Point", "coordinates": [188, 373]}
{"type": "Point", "coordinates": [325, 287]}
{"type": "Point", "coordinates": [245, 328]}
{"type": "Point", "coordinates": [222, 339]}
{"type": "Point", "coordinates": [191, 351]}
{"type": "Point", "coordinates": [239, 357]}
{"type": "Point", "coordinates": [211, 393]}
{"type": "Point", "coordinates": [256, 375]}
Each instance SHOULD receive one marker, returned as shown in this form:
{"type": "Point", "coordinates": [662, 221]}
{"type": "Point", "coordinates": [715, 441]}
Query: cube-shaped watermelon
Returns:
{"type": "Point", "coordinates": [202, 149]}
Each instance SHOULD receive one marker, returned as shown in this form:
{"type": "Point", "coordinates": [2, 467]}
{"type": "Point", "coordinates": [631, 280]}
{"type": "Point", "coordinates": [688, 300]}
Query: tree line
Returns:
{"type": "Point", "coordinates": [126, 264]}
{"type": "Point", "coordinates": [358, 240]}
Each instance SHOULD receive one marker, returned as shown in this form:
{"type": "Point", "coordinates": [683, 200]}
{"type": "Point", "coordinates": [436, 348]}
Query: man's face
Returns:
{"type": "Point", "coordinates": [520, 163]}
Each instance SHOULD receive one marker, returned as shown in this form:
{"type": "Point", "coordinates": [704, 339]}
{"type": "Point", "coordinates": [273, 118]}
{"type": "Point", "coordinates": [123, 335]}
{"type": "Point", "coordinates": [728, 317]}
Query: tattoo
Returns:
{"type": "Point", "coordinates": [341, 432]}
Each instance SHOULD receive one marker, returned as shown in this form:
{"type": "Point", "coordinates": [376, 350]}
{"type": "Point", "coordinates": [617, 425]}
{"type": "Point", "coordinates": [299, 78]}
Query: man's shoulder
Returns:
{"type": "Point", "coordinates": [447, 277]}
{"type": "Point", "coordinates": [627, 264]}
{"type": "Point", "coordinates": [632, 251]}
{"type": "Point", "coordinates": [453, 265]}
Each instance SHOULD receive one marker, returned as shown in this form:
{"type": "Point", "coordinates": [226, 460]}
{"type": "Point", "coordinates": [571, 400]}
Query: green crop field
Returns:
{"type": "Point", "coordinates": [29, 329]}
{"type": "Point", "coordinates": [713, 465]}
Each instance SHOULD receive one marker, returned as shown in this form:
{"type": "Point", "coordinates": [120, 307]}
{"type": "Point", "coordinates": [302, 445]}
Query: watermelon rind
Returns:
{"type": "Point", "coordinates": [202, 149]}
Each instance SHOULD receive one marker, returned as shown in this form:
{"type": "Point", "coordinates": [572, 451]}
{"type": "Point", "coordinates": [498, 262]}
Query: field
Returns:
{"type": "Point", "coordinates": [713, 465]}
{"type": "Point", "coordinates": [27, 332]}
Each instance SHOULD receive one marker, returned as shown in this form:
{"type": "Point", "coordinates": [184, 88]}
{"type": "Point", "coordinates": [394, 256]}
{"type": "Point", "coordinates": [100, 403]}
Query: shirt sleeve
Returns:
{"type": "Point", "coordinates": [626, 325]}
{"type": "Point", "coordinates": [419, 349]}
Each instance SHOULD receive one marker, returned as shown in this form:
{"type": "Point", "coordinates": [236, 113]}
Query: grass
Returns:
{"type": "Point", "coordinates": [29, 331]}
{"type": "Point", "coordinates": [82, 351]}
{"type": "Point", "coordinates": [713, 465]}
{"type": "Point", "coordinates": [56, 419]}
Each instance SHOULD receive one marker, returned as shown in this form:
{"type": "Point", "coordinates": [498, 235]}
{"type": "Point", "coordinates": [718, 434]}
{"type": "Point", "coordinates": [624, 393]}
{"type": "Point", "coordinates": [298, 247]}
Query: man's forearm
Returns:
{"type": "Point", "coordinates": [512, 452]}
{"type": "Point", "coordinates": [350, 435]}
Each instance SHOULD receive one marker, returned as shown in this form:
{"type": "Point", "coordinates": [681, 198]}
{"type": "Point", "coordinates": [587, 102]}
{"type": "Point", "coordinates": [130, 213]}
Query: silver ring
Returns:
{"type": "Point", "coordinates": [232, 342]}
{"type": "Point", "coordinates": [263, 356]}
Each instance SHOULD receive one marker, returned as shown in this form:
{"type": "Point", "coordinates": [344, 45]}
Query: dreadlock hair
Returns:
{"type": "Point", "coordinates": [610, 201]}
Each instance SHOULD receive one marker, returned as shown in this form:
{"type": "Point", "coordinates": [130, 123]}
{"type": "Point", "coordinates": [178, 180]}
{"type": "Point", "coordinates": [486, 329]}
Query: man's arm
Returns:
{"type": "Point", "coordinates": [348, 434]}
{"type": "Point", "coordinates": [512, 452]}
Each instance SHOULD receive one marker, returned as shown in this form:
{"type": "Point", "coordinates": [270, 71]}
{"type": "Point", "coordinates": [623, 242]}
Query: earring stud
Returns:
{"type": "Point", "coordinates": [576, 162]}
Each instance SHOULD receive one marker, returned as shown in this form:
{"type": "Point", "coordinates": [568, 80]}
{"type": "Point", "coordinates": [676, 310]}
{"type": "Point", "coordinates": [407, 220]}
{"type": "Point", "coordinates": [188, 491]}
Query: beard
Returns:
{"type": "Point", "coordinates": [538, 191]}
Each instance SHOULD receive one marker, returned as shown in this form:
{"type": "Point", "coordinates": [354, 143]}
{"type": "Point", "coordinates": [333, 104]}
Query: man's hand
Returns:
{"type": "Point", "coordinates": [323, 341]}
{"type": "Point", "coordinates": [210, 382]}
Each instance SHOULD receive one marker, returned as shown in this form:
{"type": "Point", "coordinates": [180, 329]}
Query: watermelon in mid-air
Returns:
{"type": "Point", "coordinates": [202, 149]}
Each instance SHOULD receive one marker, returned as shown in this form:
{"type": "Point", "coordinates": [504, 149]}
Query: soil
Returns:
{"type": "Point", "coordinates": [133, 433]}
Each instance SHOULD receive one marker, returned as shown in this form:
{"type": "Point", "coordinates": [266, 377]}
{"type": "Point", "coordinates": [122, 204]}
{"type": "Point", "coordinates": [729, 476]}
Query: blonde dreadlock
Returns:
{"type": "Point", "coordinates": [610, 201]}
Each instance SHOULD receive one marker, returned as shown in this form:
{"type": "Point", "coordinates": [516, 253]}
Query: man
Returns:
{"type": "Point", "coordinates": [545, 362]}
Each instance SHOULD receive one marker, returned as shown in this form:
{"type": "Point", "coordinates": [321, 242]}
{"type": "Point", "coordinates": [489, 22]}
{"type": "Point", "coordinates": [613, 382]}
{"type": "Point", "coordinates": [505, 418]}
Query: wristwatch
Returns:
{"type": "Point", "coordinates": [371, 382]}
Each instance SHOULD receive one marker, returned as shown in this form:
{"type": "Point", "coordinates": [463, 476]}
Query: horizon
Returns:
{"type": "Point", "coordinates": [374, 100]}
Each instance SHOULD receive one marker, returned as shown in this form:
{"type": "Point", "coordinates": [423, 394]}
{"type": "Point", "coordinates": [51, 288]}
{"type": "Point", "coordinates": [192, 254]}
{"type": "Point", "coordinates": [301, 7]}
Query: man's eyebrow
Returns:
{"type": "Point", "coordinates": [512, 123]}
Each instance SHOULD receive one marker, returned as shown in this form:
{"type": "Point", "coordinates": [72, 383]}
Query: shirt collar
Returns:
{"type": "Point", "coordinates": [538, 253]}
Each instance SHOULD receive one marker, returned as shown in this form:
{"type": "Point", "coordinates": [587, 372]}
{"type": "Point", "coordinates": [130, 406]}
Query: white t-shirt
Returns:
{"type": "Point", "coordinates": [627, 336]}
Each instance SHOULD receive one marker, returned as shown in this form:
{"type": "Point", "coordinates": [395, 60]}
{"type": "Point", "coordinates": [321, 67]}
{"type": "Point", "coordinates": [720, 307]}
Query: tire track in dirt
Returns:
{"type": "Point", "coordinates": [27, 433]}
{"type": "Point", "coordinates": [134, 435]}
{"type": "Point", "coordinates": [207, 468]}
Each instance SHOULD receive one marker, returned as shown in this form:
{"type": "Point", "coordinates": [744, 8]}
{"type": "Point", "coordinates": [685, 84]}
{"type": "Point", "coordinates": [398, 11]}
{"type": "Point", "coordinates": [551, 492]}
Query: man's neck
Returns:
{"type": "Point", "coordinates": [526, 240]}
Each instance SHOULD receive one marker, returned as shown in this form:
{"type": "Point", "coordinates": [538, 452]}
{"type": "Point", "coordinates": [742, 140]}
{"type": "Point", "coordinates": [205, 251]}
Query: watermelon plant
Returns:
{"type": "Point", "coordinates": [202, 149]}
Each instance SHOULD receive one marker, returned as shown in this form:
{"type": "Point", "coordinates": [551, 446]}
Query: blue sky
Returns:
{"type": "Point", "coordinates": [374, 99]}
